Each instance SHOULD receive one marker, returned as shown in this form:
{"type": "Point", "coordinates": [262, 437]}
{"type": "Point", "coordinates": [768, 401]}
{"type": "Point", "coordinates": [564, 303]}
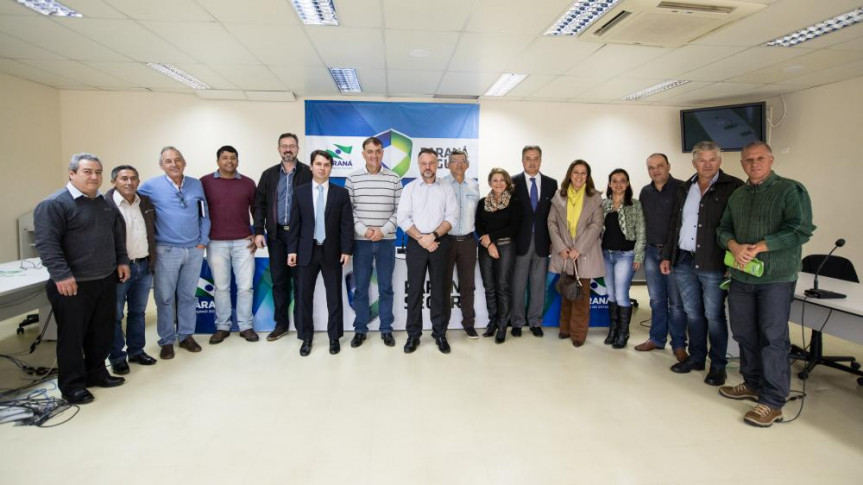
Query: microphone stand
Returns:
{"type": "Point", "coordinates": [814, 292]}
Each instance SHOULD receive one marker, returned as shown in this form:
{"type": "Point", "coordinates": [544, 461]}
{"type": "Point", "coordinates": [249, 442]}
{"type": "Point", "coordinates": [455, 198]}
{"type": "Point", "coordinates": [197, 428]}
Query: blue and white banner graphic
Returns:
{"type": "Point", "coordinates": [341, 126]}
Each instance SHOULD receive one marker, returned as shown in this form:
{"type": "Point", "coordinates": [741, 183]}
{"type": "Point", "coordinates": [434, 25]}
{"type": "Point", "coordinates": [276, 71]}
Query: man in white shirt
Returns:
{"type": "Point", "coordinates": [139, 216]}
{"type": "Point", "coordinates": [427, 211]}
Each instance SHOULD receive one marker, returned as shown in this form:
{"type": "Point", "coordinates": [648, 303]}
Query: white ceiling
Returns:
{"type": "Point", "coordinates": [258, 49]}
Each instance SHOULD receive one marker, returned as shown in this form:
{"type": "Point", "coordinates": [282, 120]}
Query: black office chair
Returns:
{"type": "Point", "coordinates": [839, 268]}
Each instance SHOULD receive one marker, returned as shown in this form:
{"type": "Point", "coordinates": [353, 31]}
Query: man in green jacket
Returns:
{"type": "Point", "coordinates": [770, 217]}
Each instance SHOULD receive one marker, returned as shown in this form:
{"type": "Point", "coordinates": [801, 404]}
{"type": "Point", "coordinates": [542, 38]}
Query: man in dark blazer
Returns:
{"type": "Point", "coordinates": [321, 239]}
{"type": "Point", "coordinates": [532, 245]}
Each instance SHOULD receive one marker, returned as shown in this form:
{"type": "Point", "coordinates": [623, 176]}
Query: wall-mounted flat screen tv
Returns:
{"type": "Point", "coordinates": [732, 127]}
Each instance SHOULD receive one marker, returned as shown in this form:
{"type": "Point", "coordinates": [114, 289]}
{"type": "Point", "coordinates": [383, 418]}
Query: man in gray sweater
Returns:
{"type": "Point", "coordinates": [81, 240]}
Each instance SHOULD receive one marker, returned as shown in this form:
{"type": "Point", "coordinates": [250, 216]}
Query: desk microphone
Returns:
{"type": "Point", "coordinates": [824, 294]}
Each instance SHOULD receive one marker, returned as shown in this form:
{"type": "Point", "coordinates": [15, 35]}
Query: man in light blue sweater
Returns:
{"type": "Point", "coordinates": [182, 233]}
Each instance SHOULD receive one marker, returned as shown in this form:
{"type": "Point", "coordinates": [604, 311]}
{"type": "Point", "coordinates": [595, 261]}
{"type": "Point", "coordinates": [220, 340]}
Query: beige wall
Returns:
{"type": "Point", "coordinates": [32, 165]}
{"type": "Point", "coordinates": [818, 144]}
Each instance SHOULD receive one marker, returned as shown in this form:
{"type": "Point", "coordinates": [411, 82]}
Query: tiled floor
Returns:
{"type": "Point", "coordinates": [530, 411]}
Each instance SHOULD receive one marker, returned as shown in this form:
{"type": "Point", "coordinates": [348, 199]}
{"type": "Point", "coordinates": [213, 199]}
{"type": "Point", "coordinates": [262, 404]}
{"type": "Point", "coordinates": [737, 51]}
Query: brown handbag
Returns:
{"type": "Point", "coordinates": [568, 285]}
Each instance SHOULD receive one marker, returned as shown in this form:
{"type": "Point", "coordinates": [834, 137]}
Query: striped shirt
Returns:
{"type": "Point", "coordinates": [375, 198]}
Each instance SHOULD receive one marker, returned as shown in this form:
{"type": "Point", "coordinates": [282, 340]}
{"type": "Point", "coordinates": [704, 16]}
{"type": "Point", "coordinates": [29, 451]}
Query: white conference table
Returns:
{"type": "Point", "coordinates": [22, 290]}
{"type": "Point", "coordinates": [843, 317]}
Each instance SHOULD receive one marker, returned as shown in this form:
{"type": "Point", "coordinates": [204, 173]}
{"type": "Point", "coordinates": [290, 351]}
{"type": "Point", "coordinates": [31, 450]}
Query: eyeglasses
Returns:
{"type": "Point", "coordinates": [181, 199]}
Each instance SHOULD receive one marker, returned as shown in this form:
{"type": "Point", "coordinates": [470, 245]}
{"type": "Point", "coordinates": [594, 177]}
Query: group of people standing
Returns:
{"type": "Point", "coordinates": [103, 252]}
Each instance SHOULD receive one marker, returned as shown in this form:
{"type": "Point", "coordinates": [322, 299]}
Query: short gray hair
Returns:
{"type": "Point", "coordinates": [77, 158]}
{"type": "Point", "coordinates": [705, 146]}
{"type": "Point", "coordinates": [169, 147]}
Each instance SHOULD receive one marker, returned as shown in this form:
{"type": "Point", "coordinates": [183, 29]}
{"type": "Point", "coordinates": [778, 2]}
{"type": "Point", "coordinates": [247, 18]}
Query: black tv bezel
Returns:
{"type": "Point", "coordinates": [762, 135]}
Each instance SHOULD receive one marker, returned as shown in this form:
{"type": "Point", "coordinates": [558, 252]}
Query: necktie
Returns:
{"type": "Point", "coordinates": [320, 234]}
{"type": "Point", "coordinates": [534, 196]}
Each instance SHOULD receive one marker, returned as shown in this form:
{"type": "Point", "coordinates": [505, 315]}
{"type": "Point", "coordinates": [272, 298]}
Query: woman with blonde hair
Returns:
{"type": "Point", "coordinates": [575, 226]}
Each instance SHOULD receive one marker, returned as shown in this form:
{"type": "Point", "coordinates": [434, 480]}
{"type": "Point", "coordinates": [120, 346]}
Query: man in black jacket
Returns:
{"type": "Point", "coordinates": [693, 255]}
{"type": "Point", "coordinates": [139, 216]}
{"type": "Point", "coordinates": [273, 200]}
{"type": "Point", "coordinates": [533, 243]}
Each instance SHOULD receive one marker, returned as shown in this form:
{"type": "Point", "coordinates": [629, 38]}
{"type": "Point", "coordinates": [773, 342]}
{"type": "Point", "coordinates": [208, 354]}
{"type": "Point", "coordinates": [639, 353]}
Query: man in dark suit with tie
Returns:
{"type": "Point", "coordinates": [535, 192]}
{"type": "Point", "coordinates": [320, 240]}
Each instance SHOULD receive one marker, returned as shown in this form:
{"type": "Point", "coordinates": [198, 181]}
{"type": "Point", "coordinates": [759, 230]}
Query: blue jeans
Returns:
{"type": "Point", "coordinates": [704, 304]}
{"type": "Point", "coordinates": [383, 254]}
{"type": "Point", "coordinates": [135, 290]}
{"type": "Point", "coordinates": [666, 309]}
{"type": "Point", "coordinates": [177, 274]}
{"type": "Point", "coordinates": [223, 256]}
{"type": "Point", "coordinates": [618, 275]}
{"type": "Point", "coordinates": [759, 322]}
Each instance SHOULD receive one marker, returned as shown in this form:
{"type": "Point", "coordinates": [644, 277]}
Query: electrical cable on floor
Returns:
{"type": "Point", "coordinates": [801, 394]}
{"type": "Point", "coordinates": [35, 407]}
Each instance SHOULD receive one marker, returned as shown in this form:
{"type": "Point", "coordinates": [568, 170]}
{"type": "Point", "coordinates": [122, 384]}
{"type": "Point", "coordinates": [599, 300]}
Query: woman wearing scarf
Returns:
{"type": "Point", "coordinates": [497, 219]}
{"type": "Point", "coordinates": [575, 226]}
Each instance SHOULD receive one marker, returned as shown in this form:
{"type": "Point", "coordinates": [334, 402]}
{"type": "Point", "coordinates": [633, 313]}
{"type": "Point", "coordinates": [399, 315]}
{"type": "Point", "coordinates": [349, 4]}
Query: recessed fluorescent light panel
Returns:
{"type": "Point", "coordinates": [49, 7]}
{"type": "Point", "coordinates": [178, 75]}
{"type": "Point", "coordinates": [316, 12]}
{"type": "Point", "coordinates": [580, 15]}
{"type": "Point", "coordinates": [655, 89]}
{"type": "Point", "coordinates": [346, 79]}
{"type": "Point", "coordinates": [817, 30]}
{"type": "Point", "coordinates": [504, 84]}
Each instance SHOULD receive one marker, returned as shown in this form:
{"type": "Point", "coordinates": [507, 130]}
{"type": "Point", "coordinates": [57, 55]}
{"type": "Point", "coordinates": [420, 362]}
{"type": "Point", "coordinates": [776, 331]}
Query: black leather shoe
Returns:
{"type": "Point", "coordinates": [411, 344]}
{"type": "Point", "coordinates": [358, 340]}
{"type": "Point", "coordinates": [142, 359]}
{"type": "Point", "coordinates": [516, 331]}
{"type": "Point", "coordinates": [716, 377]}
{"type": "Point", "coordinates": [490, 330]}
{"type": "Point", "coordinates": [335, 347]}
{"type": "Point", "coordinates": [687, 366]}
{"type": "Point", "coordinates": [442, 345]}
{"type": "Point", "coordinates": [306, 348]}
{"type": "Point", "coordinates": [81, 396]}
{"type": "Point", "coordinates": [120, 368]}
{"type": "Point", "coordinates": [501, 335]}
{"type": "Point", "coordinates": [536, 331]}
{"type": "Point", "coordinates": [106, 381]}
{"type": "Point", "coordinates": [388, 339]}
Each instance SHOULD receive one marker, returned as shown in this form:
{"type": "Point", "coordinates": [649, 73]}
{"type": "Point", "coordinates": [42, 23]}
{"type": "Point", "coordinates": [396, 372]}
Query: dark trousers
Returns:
{"type": "Point", "coordinates": [85, 331]}
{"type": "Point", "coordinates": [283, 279]}
{"type": "Point", "coordinates": [759, 324]}
{"type": "Point", "coordinates": [419, 261]}
{"type": "Point", "coordinates": [307, 278]}
{"type": "Point", "coordinates": [496, 279]}
{"type": "Point", "coordinates": [462, 254]}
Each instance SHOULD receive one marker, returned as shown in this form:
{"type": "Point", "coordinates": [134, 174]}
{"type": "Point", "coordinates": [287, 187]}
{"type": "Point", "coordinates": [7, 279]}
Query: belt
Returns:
{"type": "Point", "coordinates": [284, 228]}
{"type": "Point", "coordinates": [138, 260]}
{"type": "Point", "coordinates": [658, 246]}
{"type": "Point", "coordinates": [462, 238]}
{"type": "Point", "coordinates": [318, 243]}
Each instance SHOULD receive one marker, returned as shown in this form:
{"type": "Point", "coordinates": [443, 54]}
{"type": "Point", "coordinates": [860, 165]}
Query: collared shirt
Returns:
{"type": "Point", "coordinates": [374, 199]}
{"type": "Point", "coordinates": [658, 206]}
{"type": "Point", "coordinates": [426, 206]}
{"type": "Point", "coordinates": [529, 182]}
{"type": "Point", "coordinates": [286, 193]}
{"type": "Point", "coordinates": [178, 187]}
{"type": "Point", "coordinates": [218, 175]}
{"type": "Point", "coordinates": [315, 185]}
{"type": "Point", "coordinates": [75, 193]}
{"type": "Point", "coordinates": [691, 207]}
{"type": "Point", "coordinates": [136, 228]}
{"type": "Point", "coordinates": [467, 196]}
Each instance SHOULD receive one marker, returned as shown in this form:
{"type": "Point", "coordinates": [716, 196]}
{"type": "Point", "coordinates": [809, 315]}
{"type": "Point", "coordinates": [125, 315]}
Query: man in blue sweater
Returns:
{"type": "Point", "coordinates": [182, 233]}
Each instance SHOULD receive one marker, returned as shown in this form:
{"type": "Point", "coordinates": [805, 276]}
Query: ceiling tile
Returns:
{"type": "Point", "coordinates": [529, 85]}
{"type": "Point", "coordinates": [554, 56]}
{"type": "Point", "coordinates": [347, 47]}
{"type": "Point", "coordinates": [487, 52]}
{"type": "Point", "coordinates": [286, 45]}
{"type": "Point", "coordinates": [515, 16]}
{"type": "Point", "coordinates": [826, 76]}
{"type": "Point", "coordinates": [412, 82]}
{"type": "Point", "coordinates": [93, 9]}
{"type": "Point", "coordinates": [306, 81]}
{"type": "Point", "coordinates": [256, 12]}
{"type": "Point", "coordinates": [749, 60]}
{"type": "Point", "coordinates": [717, 91]}
{"type": "Point", "coordinates": [466, 83]}
{"type": "Point", "coordinates": [206, 42]}
{"type": "Point", "coordinates": [807, 64]}
{"type": "Point", "coordinates": [679, 61]}
{"type": "Point", "coordinates": [613, 59]}
{"type": "Point", "coordinates": [616, 89]}
{"type": "Point", "coordinates": [565, 87]}
{"type": "Point", "coordinates": [16, 48]}
{"type": "Point", "coordinates": [162, 10]}
{"type": "Point", "coordinates": [670, 94]}
{"type": "Point", "coordinates": [440, 15]}
{"type": "Point", "coordinates": [250, 78]}
{"type": "Point", "coordinates": [360, 13]}
{"type": "Point", "coordinates": [836, 38]}
{"type": "Point", "coordinates": [373, 81]}
{"type": "Point", "coordinates": [438, 46]}
{"type": "Point", "coordinates": [24, 71]}
{"type": "Point", "coordinates": [136, 74]}
{"type": "Point", "coordinates": [207, 75]}
{"type": "Point", "coordinates": [851, 45]}
{"type": "Point", "coordinates": [79, 72]}
{"type": "Point", "coordinates": [47, 34]}
{"type": "Point", "coordinates": [130, 38]}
